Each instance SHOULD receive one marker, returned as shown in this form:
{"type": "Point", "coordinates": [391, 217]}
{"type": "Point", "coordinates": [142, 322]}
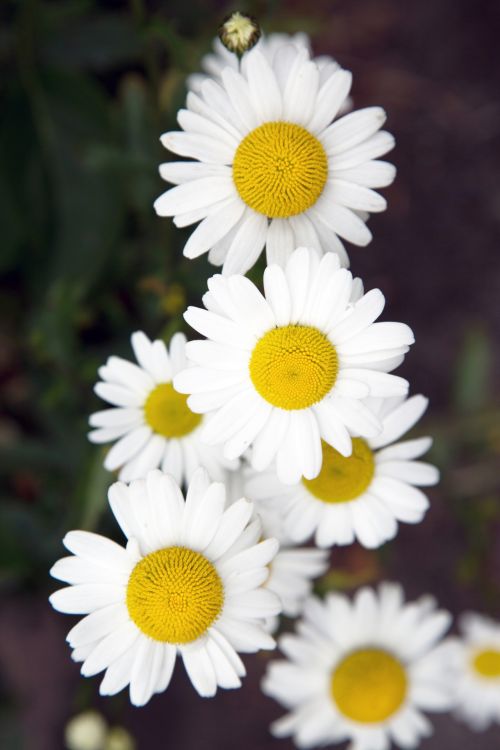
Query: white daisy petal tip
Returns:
{"type": "Point", "coordinates": [339, 643]}
{"type": "Point", "coordinates": [132, 636]}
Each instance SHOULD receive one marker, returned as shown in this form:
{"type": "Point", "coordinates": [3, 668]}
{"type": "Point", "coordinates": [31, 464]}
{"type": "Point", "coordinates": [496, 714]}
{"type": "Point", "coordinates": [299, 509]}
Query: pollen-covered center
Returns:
{"type": "Point", "coordinates": [343, 479]}
{"type": "Point", "coordinates": [167, 413]}
{"type": "Point", "coordinates": [369, 685]}
{"type": "Point", "coordinates": [280, 169]}
{"type": "Point", "coordinates": [294, 366]}
{"type": "Point", "coordinates": [174, 595]}
{"type": "Point", "coordinates": [487, 663]}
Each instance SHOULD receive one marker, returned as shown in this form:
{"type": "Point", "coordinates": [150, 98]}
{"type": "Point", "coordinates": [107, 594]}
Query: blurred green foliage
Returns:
{"type": "Point", "coordinates": [88, 88]}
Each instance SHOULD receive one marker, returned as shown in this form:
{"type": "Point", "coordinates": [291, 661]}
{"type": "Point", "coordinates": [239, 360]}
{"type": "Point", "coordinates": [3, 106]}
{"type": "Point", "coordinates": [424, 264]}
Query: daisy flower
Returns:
{"type": "Point", "coordinates": [150, 420]}
{"type": "Point", "coordinates": [293, 569]}
{"type": "Point", "coordinates": [475, 671]}
{"type": "Point", "coordinates": [188, 583]}
{"type": "Point", "coordinates": [361, 671]}
{"type": "Point", "coordinates": [271, 166]}
{"type": "Point", "coordinates": [362, 496]}
{"type": "Point", "coordinates": [284, 370]}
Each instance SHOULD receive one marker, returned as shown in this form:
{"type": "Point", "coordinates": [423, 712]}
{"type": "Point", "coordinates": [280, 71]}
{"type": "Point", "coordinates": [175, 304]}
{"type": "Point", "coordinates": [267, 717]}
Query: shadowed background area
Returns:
{"type": "Point", "coordinates": [86, 89]}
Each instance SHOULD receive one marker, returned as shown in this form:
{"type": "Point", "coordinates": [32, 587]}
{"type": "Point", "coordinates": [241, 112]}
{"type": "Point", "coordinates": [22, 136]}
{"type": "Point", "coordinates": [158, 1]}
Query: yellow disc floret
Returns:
{"type": "Point", "coordinates": [280, 169]}
{"type": "Point", "coordinates": [294, 366]}
{"type": "Point", "coordinates": [174, 595]}
{"type": "Point", "coordinates": [167, 413]}
{"type": "Point", "coordinates": [487, 663]}
{"type": "Point", "coordinates": [369, 685]}
{"type": "Point", "coordinates": [343, 479]}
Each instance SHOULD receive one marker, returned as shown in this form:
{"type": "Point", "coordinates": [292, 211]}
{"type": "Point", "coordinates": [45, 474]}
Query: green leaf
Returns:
{"type": "Point", "coordinates": [472, 388]}
{"type": "Point", "coordinates": [91, 494]}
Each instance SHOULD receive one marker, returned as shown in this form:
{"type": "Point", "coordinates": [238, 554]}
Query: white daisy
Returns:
{"type": "Point", "coordinates": [361, 671]}
{"type": "Point", "coordinates": [189, 582]}
{"type": "Point", "coordinates": [293, 570]}
{"type": "Point", "coordinates": [475, 671]}
{"type": "Point", "coordinates": [362, 496]}
{"type": "Point", "coordinates": [150, 420]}
{"type": "Point", "coordinates": [281, 372]}
{"type": "Point", "coordinates": [270, 167]}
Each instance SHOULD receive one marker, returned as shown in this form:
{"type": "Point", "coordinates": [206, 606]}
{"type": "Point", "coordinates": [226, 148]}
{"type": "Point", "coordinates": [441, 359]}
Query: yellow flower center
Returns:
{"type": "Point", "coordinates": [280, 169]}
{"type": "Point", "coordinates": [174, 595]}
{"type": "Point", "coordinates": [487, 663]}
{"type": "Point", "coordinates": [167, 413]}
{"type": "Point", "coordinates": [294, 366]}
{"type": "Point", "coordinates": [343, 479]}
{"type": "Point", "coordinates": [369, 685]}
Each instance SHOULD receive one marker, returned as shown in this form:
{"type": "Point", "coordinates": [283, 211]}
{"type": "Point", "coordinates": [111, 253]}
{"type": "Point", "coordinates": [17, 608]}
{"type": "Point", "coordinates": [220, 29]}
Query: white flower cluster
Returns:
{"type": "Point", "coordinates": [290, 401]}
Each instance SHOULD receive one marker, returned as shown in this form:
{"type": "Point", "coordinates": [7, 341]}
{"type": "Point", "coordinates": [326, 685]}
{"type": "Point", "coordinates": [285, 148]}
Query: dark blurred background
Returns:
{"type": "Point", "coordinates": [86, 88]}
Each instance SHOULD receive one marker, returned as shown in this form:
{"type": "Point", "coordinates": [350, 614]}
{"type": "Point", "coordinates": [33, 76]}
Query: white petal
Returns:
{"type": "Point", "coordinates": [127, 447]}
{"type": "Point", "coordinates": [264, 89]}
{"type": "Point", "coordinates": [406, 450]}
{"type": "Point", "coordinates": [247, 244]}
{"type": "Point", "coordinates": [118, 395]}
{"type": "Point", "coordinates": [194, 195]}
{"type": "Point", "coordinates": [97, 625]}
{"type": "Point", "coordinates": [401, 420]}
{"type": "Point", "coordinates": [231, 526]}
{"type": "Point", "coordinates": [115, 417]}
{"type": "Point", "coordinates": [247, 637]}
{"type": "Point", "coordinates": [341, 220]}
{"type": "Point", "coordinates": [240, 97]}
{"type": "Point", "coordinates": [109, 434]}
{"type": "Point", "coordinates": [378, 145]}
{"type": "Point", "coordinates": [150, 457]}
{"type": "Point", "coordinates": [197, 146]}
{"type": "Point", "coordinates": [213, 228]}
{"type": "Point", "coordinates": [372, 174]}
{"type": "Point", "coordinates": [145, 671]}
{"type": "Point", "coordinates": [167, 668]}
{"type": "Point", "coordinates": [217, 328]}
{"type": "Point", "coordinates": [96, 548]}
{"type": "Point", "coordinates": [178, 172]}
{"type": "Point", "coordinates": [332, 428]}
{"type": "Point", "coordinates": [356, 196]}
{"type": "Point", "coordinates": [194, 122]}
{"type": "Point", "coordinates": [84, 598]}
{"type": "Point", "coordinates": [352, 129]}
{"type": "Point", "coordinates": [118, 673]}
{"type": "Point", "coordinates": [277, 294]}
{"type": "Point", "coordinates": [199, 668]}
{"type": "Point", "coordinates": [331, 96]}
{"type": "Point", "coordinates": [379, 337]}
{"type": "Point", "coordinates": [280, 242]}
{"type": "Point", "coordinates": [414, 472]}
{"type": "Point", "coordinates": [300, 94]}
